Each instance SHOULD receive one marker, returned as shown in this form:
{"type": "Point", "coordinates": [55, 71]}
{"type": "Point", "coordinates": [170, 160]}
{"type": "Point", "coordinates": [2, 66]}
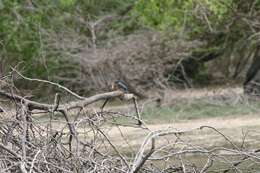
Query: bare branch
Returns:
{"type": "Point", "coordinates": [71, 105]}
{"type": "Point", "coordinates": [140, 162]}
{"type": "Point", "coordinates": [52, 83]}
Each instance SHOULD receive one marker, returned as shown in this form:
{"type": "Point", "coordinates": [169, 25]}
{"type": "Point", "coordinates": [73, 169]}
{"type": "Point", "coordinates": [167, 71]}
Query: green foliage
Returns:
{"type": "Point", "coordinates": [180, 15]}
{"type": "Point", "coordinates": [226, 25]}
{"type": "Point", "coordinates": [219, 8]}
{"type": "Point", "coordinates": [93, 8]}
{"type": "Point", "coordinates": [25, 25]}
{"type": "Point", "coordinates": [164, 14]}
{"type": "Point", "coordinates": [20, 28]}
{"type": "Point", "coordinates": [67, 3]}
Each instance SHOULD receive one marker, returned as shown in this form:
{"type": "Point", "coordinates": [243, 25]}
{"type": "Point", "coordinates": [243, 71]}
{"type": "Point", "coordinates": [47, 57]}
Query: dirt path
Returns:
{"type": "Point", "coordinates": [233, 127]}
{"type": "Point", "coordinates": [219, 123]}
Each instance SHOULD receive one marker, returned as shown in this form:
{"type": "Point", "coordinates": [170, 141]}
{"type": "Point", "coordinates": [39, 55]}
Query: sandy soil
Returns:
{"type": "Point", "coordinates": [232, 127]}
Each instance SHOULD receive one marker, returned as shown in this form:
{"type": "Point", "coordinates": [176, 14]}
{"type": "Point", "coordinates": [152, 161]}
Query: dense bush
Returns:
{"type": "Point", "coordinates": [28, 27]}
{"type": "Point", "coordinates": [227, 26]}
{"type": "Point", "coordinates": [51, 39]}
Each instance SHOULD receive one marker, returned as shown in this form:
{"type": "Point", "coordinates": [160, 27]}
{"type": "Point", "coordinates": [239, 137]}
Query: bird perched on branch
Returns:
{"type": "Point", "coordinates": [1, 109]}
{"type": "Point", "coordinates": [120, 85]}
{"type": "Point", "coordinates": [127, 88]}
{"type": "Point", "coordinates": [117, 85]}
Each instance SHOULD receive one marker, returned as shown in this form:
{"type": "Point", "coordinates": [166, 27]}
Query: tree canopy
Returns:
{"type": "Point", "coordinates": [45, 37]}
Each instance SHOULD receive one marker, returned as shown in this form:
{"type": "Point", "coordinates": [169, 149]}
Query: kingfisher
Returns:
{"type": "Point", "coordinates": [117, 85]}
{"type": "Point", "coordinates": [1, 109]}
{"type": "Point", "coordinates": [120, 85]}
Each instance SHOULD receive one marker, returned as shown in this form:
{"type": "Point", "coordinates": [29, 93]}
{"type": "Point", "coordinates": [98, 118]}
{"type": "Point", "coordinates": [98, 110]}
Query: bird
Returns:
{"type": "Point", "coordinates": [126, 88]}
{"type": "Point", "coordinates": [120, 85]}
{"type": "Point", "coordinates": [1, 109]}
{"type": "Point", "coordinates": [117, 85]}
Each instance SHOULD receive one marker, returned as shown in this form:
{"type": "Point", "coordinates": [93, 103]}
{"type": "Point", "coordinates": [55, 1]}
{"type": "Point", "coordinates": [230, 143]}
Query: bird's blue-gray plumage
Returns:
{"type": "Point", "coordinates": [121, 85]}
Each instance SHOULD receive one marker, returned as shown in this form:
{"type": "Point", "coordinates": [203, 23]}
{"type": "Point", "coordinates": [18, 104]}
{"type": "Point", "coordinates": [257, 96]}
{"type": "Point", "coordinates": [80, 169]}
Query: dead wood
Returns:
{"type": "Point", "coordinates": [79, 141]}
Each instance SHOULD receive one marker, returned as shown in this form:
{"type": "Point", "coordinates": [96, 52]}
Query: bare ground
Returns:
{"type": "Point", "coordinates": [233, 128]}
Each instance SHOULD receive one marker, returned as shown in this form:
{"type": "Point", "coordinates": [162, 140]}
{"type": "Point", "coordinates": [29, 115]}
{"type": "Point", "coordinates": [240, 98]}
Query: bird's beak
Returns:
{"type": "Point", "coordinates": [113, 86]}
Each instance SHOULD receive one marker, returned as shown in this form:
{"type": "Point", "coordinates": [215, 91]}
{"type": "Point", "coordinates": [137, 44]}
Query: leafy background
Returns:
{"type": "Point", "coordinates": [48, 39]}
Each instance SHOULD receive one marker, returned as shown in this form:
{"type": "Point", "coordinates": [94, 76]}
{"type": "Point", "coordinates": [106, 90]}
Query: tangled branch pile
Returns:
{"type": "Point", "coordinates": [72, 137]}
{"type": "Point", "coordinates": [146, 61]}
